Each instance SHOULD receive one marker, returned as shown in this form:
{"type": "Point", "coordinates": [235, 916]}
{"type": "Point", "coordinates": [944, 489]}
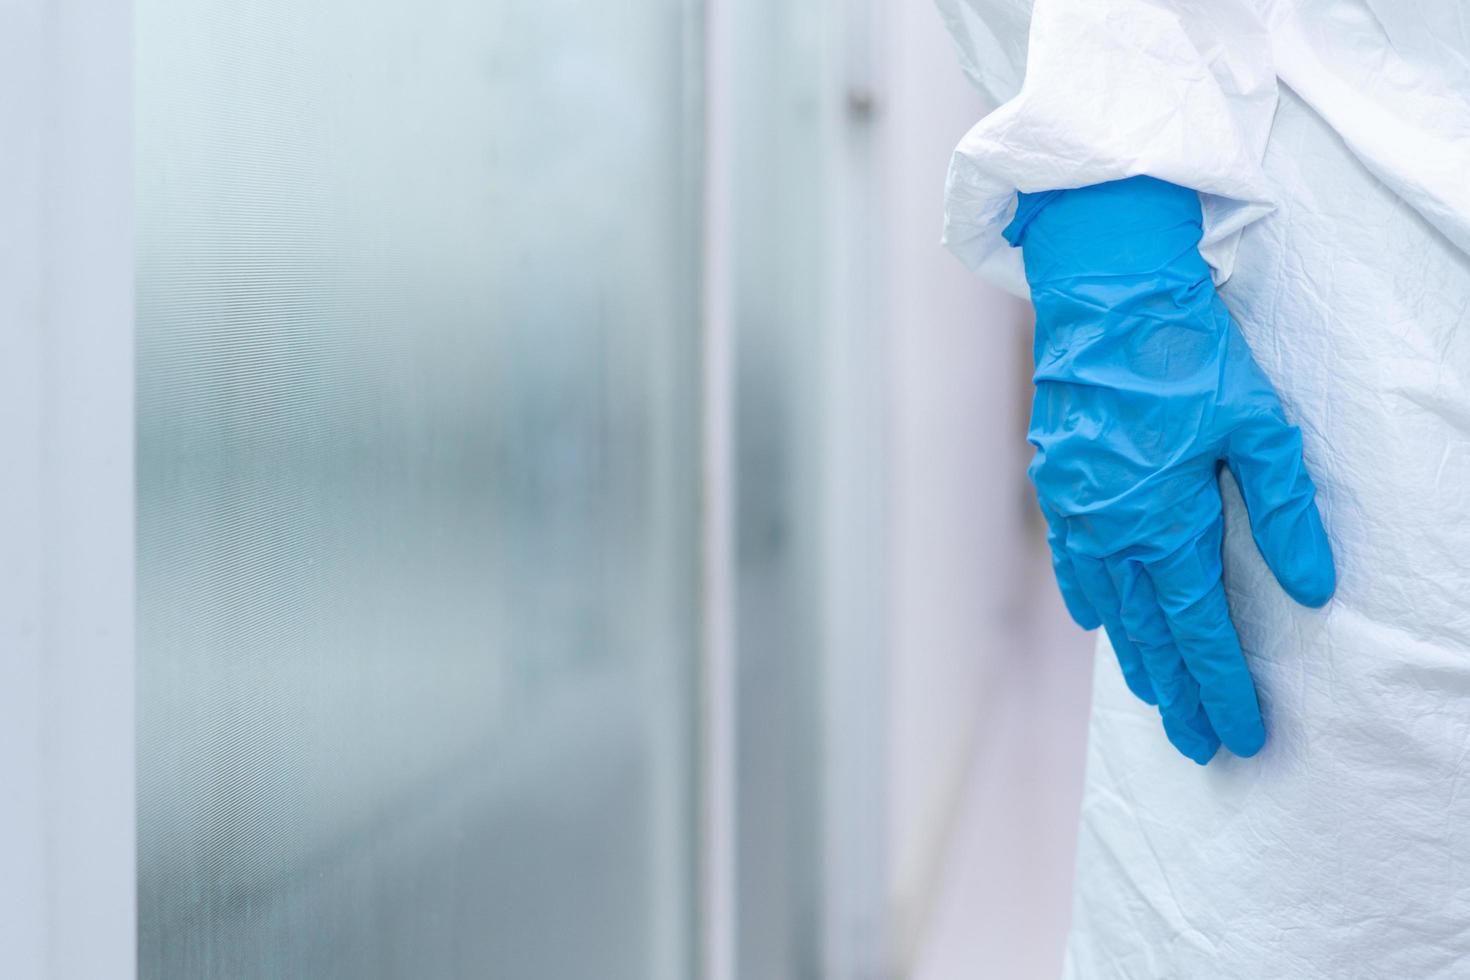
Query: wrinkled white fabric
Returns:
{"type": "Point", "coordinates": [1343, 849]}
{"type": "Point", "coordinates": [1400, 99]}
{"type": "Point", "coordinates": [1185, 90]}
{"type": "Point", "coordinates": [1113, 89]}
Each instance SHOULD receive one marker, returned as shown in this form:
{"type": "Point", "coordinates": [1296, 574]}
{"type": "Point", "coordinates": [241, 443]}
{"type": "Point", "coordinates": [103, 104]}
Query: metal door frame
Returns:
{"type": "Point", "coordinates": [67, 869]}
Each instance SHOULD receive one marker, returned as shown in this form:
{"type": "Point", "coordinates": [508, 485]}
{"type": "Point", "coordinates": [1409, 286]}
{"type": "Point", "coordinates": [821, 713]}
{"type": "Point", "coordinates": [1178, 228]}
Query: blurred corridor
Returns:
{"type": "Point", "coordinates": [581, 517]}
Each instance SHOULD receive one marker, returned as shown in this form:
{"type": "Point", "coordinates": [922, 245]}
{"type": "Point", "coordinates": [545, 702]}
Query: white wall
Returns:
{"type": "Point", "coordinates": [957, 518]}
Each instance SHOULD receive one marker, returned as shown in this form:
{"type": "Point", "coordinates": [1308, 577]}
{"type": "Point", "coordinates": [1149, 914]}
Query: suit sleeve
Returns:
{"type": "Point", "coordinates": [1175, 89]}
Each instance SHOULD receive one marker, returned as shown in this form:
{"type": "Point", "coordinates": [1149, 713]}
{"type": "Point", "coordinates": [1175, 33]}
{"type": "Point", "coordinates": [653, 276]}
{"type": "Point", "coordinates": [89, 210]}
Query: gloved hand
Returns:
{"type": "Point", "coordinates": [1144, 389]}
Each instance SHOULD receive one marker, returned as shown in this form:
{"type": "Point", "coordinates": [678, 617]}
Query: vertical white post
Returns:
{"type": "Point", "coordinates": [854, 502]}
{"type": "Point", "coordinates": [67, 869]}
{"type": "Point", "coordinates": [22, 818]}
{"type": "Point", "coordinates": [717, 761]}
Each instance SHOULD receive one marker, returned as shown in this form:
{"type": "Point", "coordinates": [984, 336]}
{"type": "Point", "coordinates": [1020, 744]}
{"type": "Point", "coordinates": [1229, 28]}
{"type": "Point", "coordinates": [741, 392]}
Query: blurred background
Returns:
{"type": "Point", "coordinates": [582, 529]}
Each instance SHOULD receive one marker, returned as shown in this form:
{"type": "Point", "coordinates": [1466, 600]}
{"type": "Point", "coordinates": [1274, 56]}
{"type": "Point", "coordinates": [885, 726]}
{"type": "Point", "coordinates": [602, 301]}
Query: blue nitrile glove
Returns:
{"type": "Point", "coordinates": [1144, 388]}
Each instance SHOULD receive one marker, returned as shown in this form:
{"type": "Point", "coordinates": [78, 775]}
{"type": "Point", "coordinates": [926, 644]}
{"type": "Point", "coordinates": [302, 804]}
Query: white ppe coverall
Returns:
{"type": "Point", "coordinates": [1330, 143]}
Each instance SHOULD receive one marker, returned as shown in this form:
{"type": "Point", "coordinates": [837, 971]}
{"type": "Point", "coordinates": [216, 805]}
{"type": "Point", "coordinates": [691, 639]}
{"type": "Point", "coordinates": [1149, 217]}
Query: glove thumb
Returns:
{"type": "Point", "coordinates": [1266, 458]}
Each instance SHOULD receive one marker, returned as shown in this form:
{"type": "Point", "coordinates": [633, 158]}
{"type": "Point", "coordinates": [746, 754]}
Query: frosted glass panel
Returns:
{"type": "Point", "coordinates": [782, 264]}
{"type": "Point", "coordinates": [417, 488]}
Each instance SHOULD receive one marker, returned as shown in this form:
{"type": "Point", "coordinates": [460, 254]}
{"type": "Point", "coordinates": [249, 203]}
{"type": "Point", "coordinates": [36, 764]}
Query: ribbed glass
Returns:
{"type": "Point", "coordinates": [417, 480]}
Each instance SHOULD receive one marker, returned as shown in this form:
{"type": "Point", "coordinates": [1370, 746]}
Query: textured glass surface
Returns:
{"type": "Point", "coordinates": [810, 390]}
{"type": "Point", "coordinates": [417, 488]}
{"type": "Point", "coordinates": [781, 265]}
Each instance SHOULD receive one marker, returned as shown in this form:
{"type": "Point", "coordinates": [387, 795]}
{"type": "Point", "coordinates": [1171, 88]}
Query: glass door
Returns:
{"type": "Point", "coordinates": [417, 475]}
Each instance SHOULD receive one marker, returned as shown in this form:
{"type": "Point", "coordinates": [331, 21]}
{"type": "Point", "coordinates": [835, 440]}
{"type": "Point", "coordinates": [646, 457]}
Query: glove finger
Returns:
{"type": "Point", "coordinates": [1078, 605]}
{"type": "Point", "coordinates": [1191, 594]}
{"type": "Point", "coordinates": [1265, 454]}
{"type": "Point", "coordinates": [1185, 720]}
{"type": "Point", "coordinates": [1093, 579]}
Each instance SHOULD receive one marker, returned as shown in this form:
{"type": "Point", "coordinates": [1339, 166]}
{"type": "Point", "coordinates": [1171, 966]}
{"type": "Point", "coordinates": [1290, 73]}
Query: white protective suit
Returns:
{"type": "Point", "coordinates": [1330, 142]}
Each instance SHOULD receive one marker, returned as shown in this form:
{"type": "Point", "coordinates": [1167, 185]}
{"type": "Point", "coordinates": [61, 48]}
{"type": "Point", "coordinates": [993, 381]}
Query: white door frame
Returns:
{"type": "Point", "coordinates": [67, 841]}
